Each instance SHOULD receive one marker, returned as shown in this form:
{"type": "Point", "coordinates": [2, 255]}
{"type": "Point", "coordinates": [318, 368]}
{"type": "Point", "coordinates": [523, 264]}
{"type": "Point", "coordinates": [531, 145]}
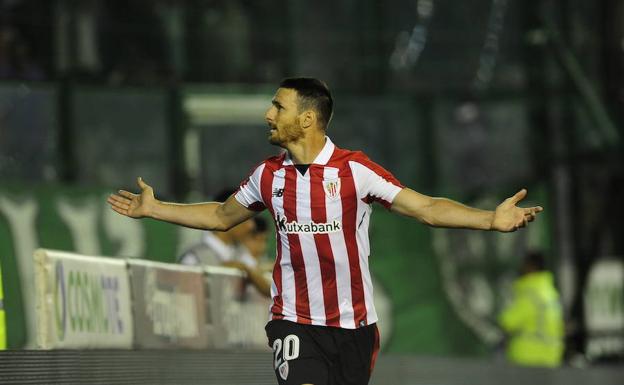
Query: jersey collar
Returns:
{"type": "Point", "coordinates": [322, 158]}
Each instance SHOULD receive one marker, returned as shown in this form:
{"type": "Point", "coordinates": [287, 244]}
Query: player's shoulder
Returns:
{"type": "Point", "coordinates": [344, 156]}
{"type": "Point", "coordinates": [361, 161]}
{"type": "Point", "coordinates": [274, 162]}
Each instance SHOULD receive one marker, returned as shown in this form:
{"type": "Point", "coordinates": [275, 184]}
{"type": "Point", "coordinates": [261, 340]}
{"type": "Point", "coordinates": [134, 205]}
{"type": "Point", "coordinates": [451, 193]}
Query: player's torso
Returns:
{"type": "Point", "coordinates": [317, 209]}
{"type": "Point", "coordinates": [321, 273]}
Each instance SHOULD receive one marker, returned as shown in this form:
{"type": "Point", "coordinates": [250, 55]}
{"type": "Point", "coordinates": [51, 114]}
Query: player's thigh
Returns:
{"type": "Point", "coordinates": [296, 357]}
{"type": "Point", "coordinates": [357, 356]}
{"type": "Point", "coordinates": [303, 371]}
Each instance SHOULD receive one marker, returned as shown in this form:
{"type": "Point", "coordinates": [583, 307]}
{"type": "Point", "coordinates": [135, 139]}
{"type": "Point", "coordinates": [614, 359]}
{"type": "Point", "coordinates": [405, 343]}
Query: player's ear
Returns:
{"type": "Point", "coordinates": [308, 118]}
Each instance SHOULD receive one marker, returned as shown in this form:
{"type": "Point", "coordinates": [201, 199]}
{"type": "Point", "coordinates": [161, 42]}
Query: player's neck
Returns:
{"type": "Point", "coordinates": [307, 149]}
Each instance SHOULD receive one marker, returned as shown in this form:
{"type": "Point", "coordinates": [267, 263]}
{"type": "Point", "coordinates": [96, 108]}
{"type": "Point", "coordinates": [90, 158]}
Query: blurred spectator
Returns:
{"type": "Point", "coordinates": [218, 247]}
{"type": "Point", "coordinates": [255, 244]}
{"type": "Point", "coordinates": [240, 247]}
{"type": "Point", "coordinates": [256, 241]}
{"type": "Point", "coordinates": [534, 319]}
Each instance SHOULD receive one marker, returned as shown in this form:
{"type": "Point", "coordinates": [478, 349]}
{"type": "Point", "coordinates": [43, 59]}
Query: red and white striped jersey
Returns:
{"type": "Point", "coordinates": [321, 274]}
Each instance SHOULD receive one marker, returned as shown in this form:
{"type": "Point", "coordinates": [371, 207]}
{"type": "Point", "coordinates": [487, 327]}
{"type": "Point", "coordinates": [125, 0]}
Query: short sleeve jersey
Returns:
{"type": "Point", "coordinates": [321, 274]}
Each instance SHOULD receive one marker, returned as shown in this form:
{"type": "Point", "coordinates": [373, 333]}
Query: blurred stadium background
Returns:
{"type": "Point", "coordinates": [470, 100]}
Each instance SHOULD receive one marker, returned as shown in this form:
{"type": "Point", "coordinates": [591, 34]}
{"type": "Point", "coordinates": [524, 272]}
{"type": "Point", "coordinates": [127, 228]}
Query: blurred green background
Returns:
{"type": "Point", "coordinates": [472, 101]}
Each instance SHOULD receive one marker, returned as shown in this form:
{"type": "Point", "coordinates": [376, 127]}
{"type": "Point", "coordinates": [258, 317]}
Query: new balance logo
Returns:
{"type": "Point", "coordinates": [278, 192]}
{"type": "Point", "coordinates": [307, 228]}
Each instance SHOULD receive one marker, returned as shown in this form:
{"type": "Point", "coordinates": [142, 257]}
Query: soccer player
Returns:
{"type": "Point", "coordinates": [322, 326]}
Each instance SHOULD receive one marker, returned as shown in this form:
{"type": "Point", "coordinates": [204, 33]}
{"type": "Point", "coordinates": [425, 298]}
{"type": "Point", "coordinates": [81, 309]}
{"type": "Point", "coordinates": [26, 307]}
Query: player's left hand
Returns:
{"type": "Point", "coordinates": [509, 217]}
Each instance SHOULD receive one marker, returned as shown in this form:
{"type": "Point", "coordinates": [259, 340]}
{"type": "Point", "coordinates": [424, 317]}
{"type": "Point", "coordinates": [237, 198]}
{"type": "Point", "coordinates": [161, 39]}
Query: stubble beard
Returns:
{"type": "Point", "coordinates": [286, 134]}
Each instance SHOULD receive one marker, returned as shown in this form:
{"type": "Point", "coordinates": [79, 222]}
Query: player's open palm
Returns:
{"type": "Point", "coordinates": [509, 217]}
{"type": "Point", "coordinates": [134, 205]}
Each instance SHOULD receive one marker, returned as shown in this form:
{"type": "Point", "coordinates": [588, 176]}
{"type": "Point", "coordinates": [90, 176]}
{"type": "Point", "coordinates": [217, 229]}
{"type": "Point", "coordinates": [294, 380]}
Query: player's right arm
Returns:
{"type": "Point", "coordinates": [203, 216]}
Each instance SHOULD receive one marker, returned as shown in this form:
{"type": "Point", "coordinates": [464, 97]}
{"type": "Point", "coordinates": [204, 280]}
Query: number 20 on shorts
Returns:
{"type": "Point", "coordinates": [290, 350]}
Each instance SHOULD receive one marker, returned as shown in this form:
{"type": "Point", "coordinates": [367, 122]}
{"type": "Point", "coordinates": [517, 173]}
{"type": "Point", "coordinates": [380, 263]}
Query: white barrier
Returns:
{"type": "Point", "coordinates": [168, 305]}
{"type": "Point", "coordinates": [82, 302]}
{"type": "Point", "coordinates": [99, 302]}
{"type": "Point", "coordinates": [604, 308]}
{"type": "Point", "coordinates": [237, 313]}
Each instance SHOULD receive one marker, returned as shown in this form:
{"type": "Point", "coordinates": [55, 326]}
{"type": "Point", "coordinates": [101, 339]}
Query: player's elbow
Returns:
{"type": "Point", "coordinates": [428, 220]}
{"type": "Point", "coordinates": [425, 213]}
{"type": "Point", "coordinates": [219, 220]}
{"type": "Point", "coordinates": [214, 223]}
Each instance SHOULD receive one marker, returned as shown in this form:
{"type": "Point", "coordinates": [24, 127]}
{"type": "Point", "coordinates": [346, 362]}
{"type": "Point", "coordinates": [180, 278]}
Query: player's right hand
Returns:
{"type": "Point", "coordinates": [134, 205]}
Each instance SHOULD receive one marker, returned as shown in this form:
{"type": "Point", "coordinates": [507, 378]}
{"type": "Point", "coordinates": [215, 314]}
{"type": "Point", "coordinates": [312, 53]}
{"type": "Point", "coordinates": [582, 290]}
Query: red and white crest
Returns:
{"type": "Point", "coordinates": [332, 188]}
{"type": "Point", "coordinates": [283, 370]}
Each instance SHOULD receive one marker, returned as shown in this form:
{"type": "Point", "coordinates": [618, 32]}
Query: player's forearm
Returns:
{"type": "Point", "coordinates": [201, 216]}
{"type": "Point", "coordinates": [444, 212]}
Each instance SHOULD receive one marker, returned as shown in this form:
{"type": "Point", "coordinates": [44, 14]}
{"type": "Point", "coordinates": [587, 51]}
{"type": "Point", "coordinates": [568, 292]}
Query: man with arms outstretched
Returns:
{"type": "Point", "coordinates": [322, 326]}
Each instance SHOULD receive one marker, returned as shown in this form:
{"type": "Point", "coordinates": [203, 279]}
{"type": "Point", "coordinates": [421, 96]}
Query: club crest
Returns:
{"type": "Point", "coordinates": [283, 370]}
{"type": "Point", "coordinates": [332, 188]}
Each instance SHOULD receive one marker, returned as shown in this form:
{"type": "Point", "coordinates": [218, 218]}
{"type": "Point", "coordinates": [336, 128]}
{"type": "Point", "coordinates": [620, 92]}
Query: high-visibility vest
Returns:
{"type": "Point", "coordinates": [534, 321]}
{"type": "Point", "coordinates": [2, 317]}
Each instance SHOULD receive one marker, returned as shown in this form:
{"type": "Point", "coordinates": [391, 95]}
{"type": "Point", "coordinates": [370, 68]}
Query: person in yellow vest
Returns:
{"type": "Point", "coordinates": [2, 318]}
{"type": "Point", "coordinates": [534, 319]}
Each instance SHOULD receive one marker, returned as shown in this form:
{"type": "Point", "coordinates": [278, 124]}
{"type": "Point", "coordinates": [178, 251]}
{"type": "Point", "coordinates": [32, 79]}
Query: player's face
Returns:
{"type": "Point", "coordinates": [283, 118]}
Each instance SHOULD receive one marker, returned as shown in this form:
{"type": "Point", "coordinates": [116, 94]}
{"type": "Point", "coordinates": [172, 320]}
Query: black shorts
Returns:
{"type": "Point", "coordinates": [322, 355]}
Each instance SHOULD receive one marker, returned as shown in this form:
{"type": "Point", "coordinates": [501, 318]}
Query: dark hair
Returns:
{"type": "Point", "coordinates": [312, 93]}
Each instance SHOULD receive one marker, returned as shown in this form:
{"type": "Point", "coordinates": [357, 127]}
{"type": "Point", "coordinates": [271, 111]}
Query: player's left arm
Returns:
{"type": "Point", "coordinates": [442, 212]}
